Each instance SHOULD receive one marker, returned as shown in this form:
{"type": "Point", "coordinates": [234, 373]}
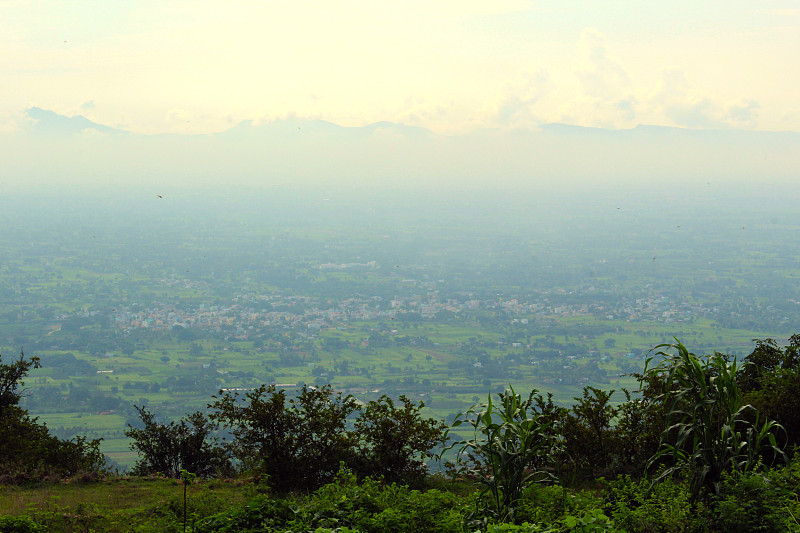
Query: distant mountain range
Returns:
{"type": "Point", "coordinates": [50, 122]}
{"type": "Point", "coordinates": [57, 148]}
{"type": "Point", "coordinates": [46, 121]}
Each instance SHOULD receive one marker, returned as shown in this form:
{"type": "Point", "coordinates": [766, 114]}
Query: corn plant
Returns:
{"type": "Point", "coordinates": [510, 445]}
{"type": "Point", "coordinates": [709, 430]}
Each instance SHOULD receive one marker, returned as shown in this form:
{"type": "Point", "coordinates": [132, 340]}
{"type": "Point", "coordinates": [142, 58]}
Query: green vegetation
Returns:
{"type": "Point", "coordinates": [708, 431]}
{"type": "Point", "coordinates": [708, 473]}
{"type": "Point", "coordinates": [27, 450]}
{"type": "Point", "coordinates": [313, 351]}
{"type": "Point", "coordinates": [174, 448]}
{"type": "Point", "coordinates": [765, 501]}
{"type": "Point", "coordinates": [512, 443]}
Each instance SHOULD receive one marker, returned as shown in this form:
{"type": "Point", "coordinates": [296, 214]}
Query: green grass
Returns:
{"type": "Point", "coordinates": [119, 504]}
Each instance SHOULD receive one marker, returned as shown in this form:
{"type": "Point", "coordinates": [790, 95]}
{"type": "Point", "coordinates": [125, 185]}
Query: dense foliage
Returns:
{"type": "Point", "coordinates": [512, 440]}
{"type": "Point", "coordinates": [27, 449]}
{"type": "Point", "coordinates": [167, 449]}
{"type": "Point", "coordinates": [708, 416]}
{"type": "Point", "coordinates": [689, 453]}
{"type": "Point", "coordinates": [771, 381]}
{"type": "Point", "coordinates": [301, 442]}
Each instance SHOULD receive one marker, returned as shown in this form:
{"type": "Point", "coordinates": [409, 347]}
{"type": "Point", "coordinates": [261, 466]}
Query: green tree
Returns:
{"type": "Point", "coordinates": [11, 379]}
{"type": "Point", "coordinates": [184, 445]}
{"type": "Point", "coordinates": [771, 381]}
{"type": "Point", "coordinates": [298, 443]}
{"type": "Point", "coordinates": [394, 442]}
{"type": "Point", "coordinates": [589, 431]}
{"type": "Point", "coordinates": [27, 450]}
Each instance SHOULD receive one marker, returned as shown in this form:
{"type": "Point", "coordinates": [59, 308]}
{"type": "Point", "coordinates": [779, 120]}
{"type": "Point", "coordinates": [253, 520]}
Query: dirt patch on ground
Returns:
{"type": "Point", "coordinates": [439, 356]}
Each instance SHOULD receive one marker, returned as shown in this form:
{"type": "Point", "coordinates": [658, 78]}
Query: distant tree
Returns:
{"type": "Point", "coordinates": [333, 344]}
{"type": "Point", "coordinates": [183, 334]}
{"type": "Point", "coordinates": [196, 350]}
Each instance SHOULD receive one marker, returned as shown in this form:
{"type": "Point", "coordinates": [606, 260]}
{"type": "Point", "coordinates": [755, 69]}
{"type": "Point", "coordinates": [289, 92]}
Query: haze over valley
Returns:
{"type": "Point", "coordinates": [135, 289]}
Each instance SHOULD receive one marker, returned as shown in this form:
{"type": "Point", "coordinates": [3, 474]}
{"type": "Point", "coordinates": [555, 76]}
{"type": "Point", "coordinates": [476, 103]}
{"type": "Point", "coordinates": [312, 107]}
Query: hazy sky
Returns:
{"type": "Point", "coordinates": [449, 65]}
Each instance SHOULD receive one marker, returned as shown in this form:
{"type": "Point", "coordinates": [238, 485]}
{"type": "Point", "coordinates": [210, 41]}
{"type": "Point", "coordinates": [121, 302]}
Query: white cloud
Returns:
{"type": "Point", "coordinates": [684, 106]}
{"type": "Point", "coordinates": [517, 106]}
{"type": "Point", "coordinates": [596, 89]}
{"type": "Point", "coordinates": [743, 114]}
{"type": "Point", "coordinates": [449, 65]}
{"type": "Point", "coordinates": [602, 76]}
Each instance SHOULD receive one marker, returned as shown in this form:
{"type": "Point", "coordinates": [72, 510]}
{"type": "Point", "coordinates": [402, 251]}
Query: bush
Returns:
{"type": "Point", "coordinates": [19, 524]}
{"type": "Point", "coordinates": [298, 444]}
{"type": "Point", "coordinates": [169, 448]}
{"type": "Point", "coordinates": [27, 449]}
{"type": "Point", "coordinates": [258, 515]}
{"type": "Point", "coordinates": [667, 508]}
{"type": "Point", "coordinates": [346, 505]}
{"type": "Point", "coordinates": [394, 442]}
{"type": "Point", "coordinates": [751, 502]}
{"type": "Point", "coordinates": [373, 507]}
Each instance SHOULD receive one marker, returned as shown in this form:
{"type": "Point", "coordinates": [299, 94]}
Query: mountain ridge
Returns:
{"type": "Point", "coordinates": [50, 122]}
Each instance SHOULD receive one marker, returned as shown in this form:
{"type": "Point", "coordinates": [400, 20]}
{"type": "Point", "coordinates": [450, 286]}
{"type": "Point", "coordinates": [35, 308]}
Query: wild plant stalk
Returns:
{"type": "Point", "coordinates": [187, 478]}
{"type": "Point", "coordinates": [508, 444]}
{"type": "Point", "coordinates": [708, 431]}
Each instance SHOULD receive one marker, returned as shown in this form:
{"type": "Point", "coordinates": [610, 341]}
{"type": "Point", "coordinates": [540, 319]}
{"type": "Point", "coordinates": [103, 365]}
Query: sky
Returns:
{"type": "Point", "coordinates": [452, 66]}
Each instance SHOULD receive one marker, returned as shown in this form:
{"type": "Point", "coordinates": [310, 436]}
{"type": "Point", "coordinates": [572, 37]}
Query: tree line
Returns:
{"type": "Point", "coordinates": [695, 416]}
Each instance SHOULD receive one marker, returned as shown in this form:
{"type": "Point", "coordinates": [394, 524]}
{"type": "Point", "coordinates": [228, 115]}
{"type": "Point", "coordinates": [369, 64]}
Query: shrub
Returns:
{"type": "Point", "coordinates": [257, 515]}
{"type": "Point", "coordinates": [346, 505]}
{"type": "Point", "coordinates": [19, 524]}
{"type": "Point", "coordinates": [770, 382]}
{"type": "Point", "coordinates": [27, 449]}
{"type": "Point", "coordinates": [667, 508]}
{"type": "Point", "coordinates": [590, 438]}
{"type": "Point", "coordinates": [298, 444]}
{"type": "Point", "coordinates": [169, 448]}
{"type": "Point", "coordinates": [394, 442]}
{"type": "Point", "coordinates": [751, 502]}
